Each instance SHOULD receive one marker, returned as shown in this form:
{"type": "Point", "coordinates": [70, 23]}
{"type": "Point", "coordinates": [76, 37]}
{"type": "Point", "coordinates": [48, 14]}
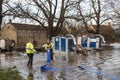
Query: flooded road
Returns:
{"type": "Point", "coordinates": [99, 65]}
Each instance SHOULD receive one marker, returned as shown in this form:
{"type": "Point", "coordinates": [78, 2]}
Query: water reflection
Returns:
{"type": "Point", "coordinates": [9, 56]}
{"type": "Point", "coordinates": [107, 61]}
{"type": "Point", "coordinates": [30, 76]}
{"type": "Point", "coordinates": [61, 75]}
{"type": "Point", "coordinates": [50, 75]}
{"type": "Point", "coordinates": [99, 60]}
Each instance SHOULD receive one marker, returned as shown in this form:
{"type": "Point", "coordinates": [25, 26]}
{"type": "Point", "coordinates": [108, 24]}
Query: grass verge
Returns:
{"type": "Point", "coordinates": [9, 74]}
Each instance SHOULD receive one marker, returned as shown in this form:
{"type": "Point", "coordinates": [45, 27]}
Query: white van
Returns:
{"type": "Point", "coordinates": [2, 44]}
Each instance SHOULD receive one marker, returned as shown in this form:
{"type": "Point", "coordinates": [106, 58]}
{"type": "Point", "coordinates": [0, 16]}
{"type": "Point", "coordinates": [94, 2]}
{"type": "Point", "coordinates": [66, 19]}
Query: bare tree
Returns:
{"type": "Point", "coordinates": [97, 16]}
{"type": "Point", "coordinates": [95, 13]}
{"type": "Point", "coordinates": [45, 12]}
{"type": "Point", "coordinates": [115, 7]}
{"type": "Point", "coordinates": [114, 11]}
{"type": "Point", "coordinates": [84, 17]}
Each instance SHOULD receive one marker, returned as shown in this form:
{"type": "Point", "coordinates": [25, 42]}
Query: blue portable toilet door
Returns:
{"type": "Point", "coordinates": [84, 42]}
{"type": "Point", "coordinates": [56, 42]}
{"type": "Point", "coordinates": [70, 44]}
{"type": "Point", "coordinates": [92, 42]}
{"type": "Point", "coordinates": [63, 44]}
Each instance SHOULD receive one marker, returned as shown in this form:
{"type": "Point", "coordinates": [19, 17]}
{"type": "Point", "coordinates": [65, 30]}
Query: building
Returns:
{"type": "Point", "coordinates": [106, 30]}
{"type": "Point", "coordinates": [20, 33]}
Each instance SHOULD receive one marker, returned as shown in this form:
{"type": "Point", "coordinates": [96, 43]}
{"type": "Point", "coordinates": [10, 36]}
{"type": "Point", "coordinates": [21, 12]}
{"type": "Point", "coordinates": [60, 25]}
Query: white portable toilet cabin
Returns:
{"type": "Point", "coordinates": [89, 42]}
{"type": "Point", "coordinates": [63, 48]}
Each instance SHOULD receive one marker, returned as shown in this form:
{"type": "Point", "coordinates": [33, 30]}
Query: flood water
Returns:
{"type": "Point", "coordinates": [98, 65]}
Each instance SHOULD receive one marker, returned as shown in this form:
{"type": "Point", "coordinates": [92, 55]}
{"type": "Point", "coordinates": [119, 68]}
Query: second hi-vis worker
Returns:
{"type": "Point", "coordinates": [11, 46]}
{"type": "Point", "coordinates": [50, 46]}
{"type": "Point", "coordinates": [30, 51]}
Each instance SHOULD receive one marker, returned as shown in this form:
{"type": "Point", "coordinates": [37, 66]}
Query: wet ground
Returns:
{"type": "Point", "coordinates": [99, 65]}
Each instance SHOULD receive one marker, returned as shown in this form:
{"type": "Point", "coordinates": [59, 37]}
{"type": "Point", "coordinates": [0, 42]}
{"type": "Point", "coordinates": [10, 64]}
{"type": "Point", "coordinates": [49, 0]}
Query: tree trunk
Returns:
{"type": "Point", "coordinates": [98, 29]}
{"type": "Point", "coordinates": [50, 32]}
{"type": "Point", "coordinates": [1, 1]}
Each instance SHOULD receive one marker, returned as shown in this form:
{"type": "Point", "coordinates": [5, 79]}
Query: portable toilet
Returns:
{"type": "Point", "coordinates": [83, 41]}
{"type": "Point", "coordinates": [62, 48]}
{"type": "Point", "coordinates": [94, 43]}
{"type": "Point", "coordinates": [56, 41]}
{"type": "Point", "coordinates": [89, 42]}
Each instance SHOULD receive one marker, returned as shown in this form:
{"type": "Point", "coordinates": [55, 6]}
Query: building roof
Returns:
{"type": "Point", "coordinates": [20, 26]}
{"type": "Point", "coordinates": [103, 28]}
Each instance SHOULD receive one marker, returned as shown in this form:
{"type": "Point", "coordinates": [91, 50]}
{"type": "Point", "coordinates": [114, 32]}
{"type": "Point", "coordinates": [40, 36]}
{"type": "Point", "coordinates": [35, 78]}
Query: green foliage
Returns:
{"type": "Point", "coordinates": [9, 74]}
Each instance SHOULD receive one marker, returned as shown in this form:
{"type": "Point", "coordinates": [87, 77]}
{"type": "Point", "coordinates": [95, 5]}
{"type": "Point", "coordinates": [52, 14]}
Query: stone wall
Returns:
{"type": "Point", "coordinates": [9, 32]}
{"type": "Point", "coordinates": [23, 37]}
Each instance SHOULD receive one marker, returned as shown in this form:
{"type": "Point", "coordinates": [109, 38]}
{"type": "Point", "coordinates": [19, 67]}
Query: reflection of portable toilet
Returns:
{"type": "Point", "coordinates": [62, 48]}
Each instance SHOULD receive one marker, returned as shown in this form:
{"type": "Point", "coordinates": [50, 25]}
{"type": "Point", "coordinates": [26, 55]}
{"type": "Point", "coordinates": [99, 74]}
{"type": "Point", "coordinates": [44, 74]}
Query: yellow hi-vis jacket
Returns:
{"type": "Point", "coordinates": [30, 48]}
{"type": "Point", "coordinates": [12, 45]}
{"type": "Point", "coordinates": [50, 46]}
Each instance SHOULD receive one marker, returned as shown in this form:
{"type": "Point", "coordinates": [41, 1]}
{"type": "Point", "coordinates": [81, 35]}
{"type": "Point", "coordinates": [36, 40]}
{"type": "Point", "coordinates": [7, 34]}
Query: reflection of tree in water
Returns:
{"type": "Point", "coordinates": [99, 61]}
{"type": "Point", "coordinates": [50, 75]}
{"type": "Point", "coordinates": [84, 58]}
{"type": "Point", "coordinates": [30, 76]}
{"type": "Point", "coordinates": [62, 74]}
{"type": "Point", "coordinates": [95, 59]}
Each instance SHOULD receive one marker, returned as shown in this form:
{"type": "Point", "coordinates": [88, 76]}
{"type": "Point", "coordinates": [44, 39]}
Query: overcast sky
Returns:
{"type": "Point", "coordinates": [85, 5]}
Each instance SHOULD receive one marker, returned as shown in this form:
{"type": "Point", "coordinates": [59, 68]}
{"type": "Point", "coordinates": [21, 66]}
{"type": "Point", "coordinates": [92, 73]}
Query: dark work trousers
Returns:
{"type": "Point", "coordinates": [51, 54]}
{"type": "Point", "coordinates": [10, 49]}
{"type": "Point", "coordinates": [30, 61]}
